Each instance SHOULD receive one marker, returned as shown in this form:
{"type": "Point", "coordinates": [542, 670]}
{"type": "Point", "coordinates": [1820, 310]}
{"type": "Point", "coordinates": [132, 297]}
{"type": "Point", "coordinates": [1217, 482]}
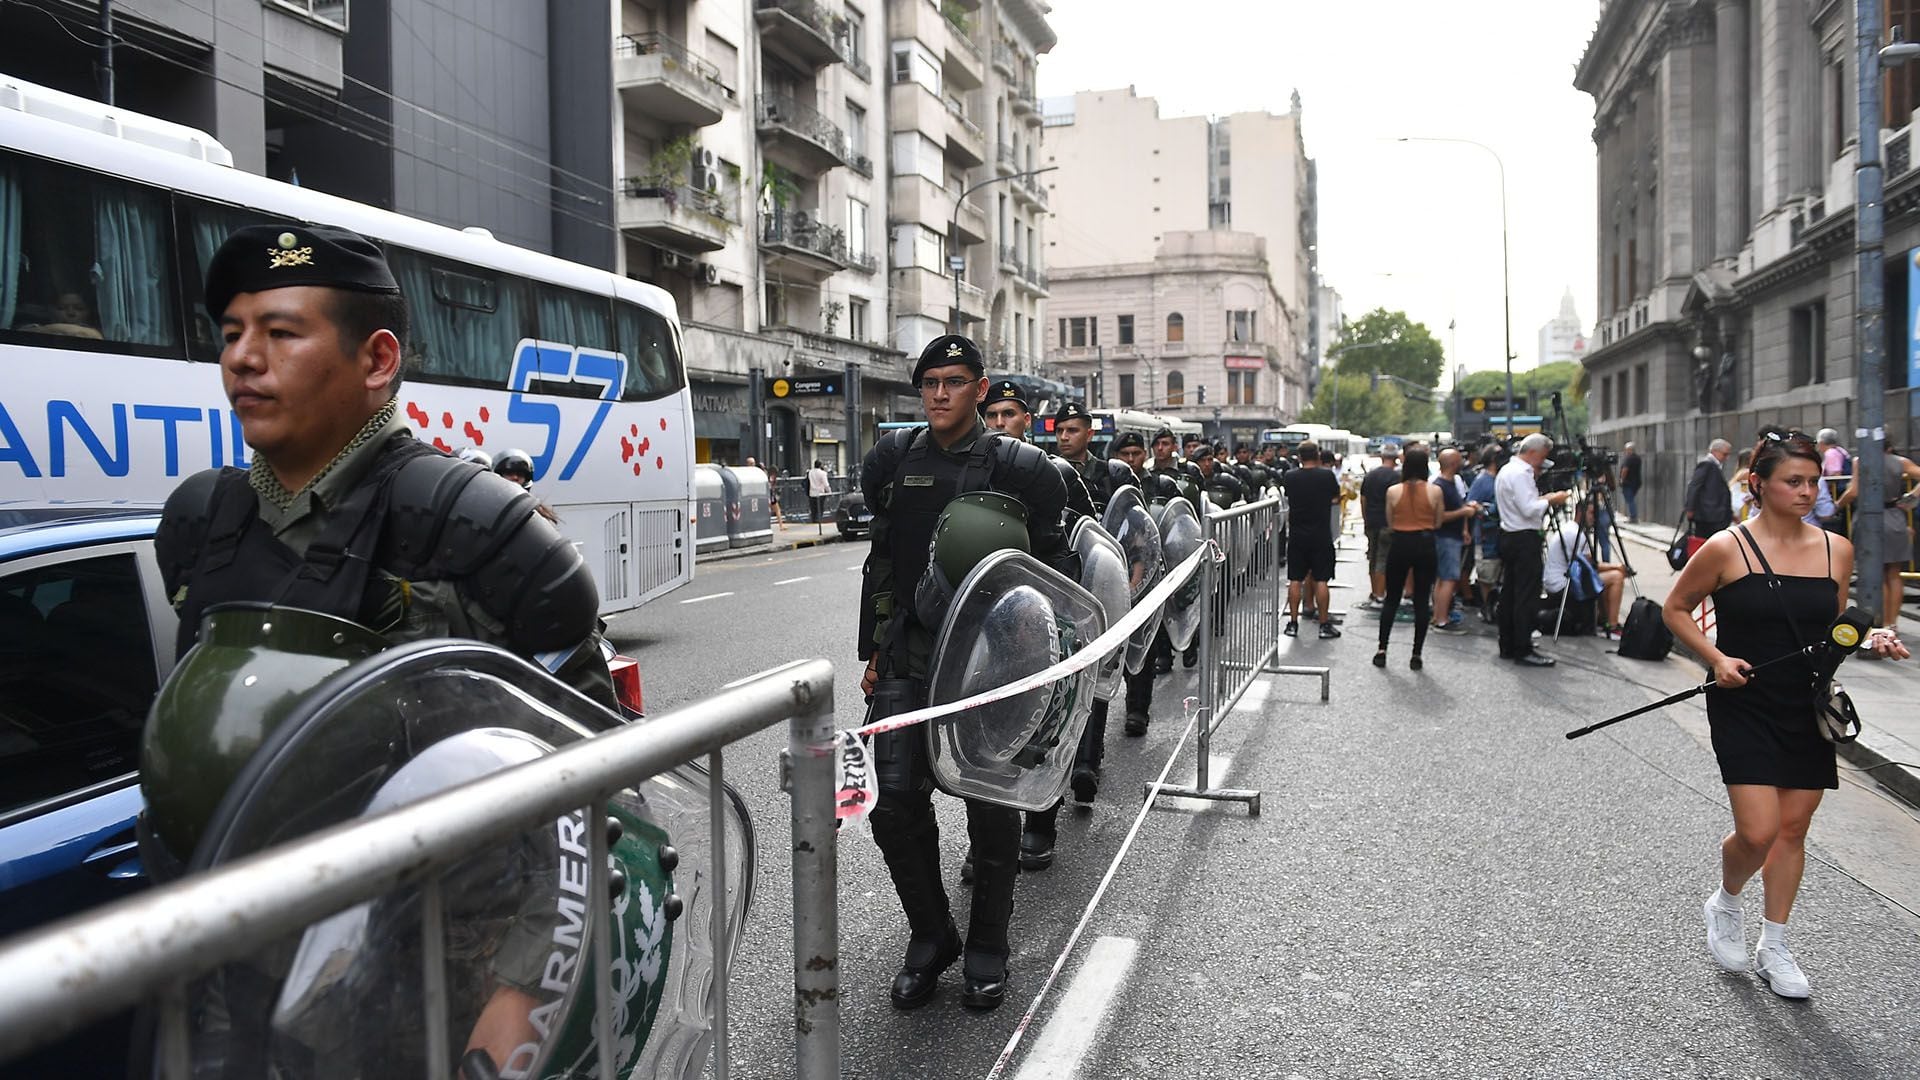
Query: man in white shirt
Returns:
{"type": "Point", "coordinates": [819, 486]}
{"type": "Point", "coordinates": [1572, 544]}
{"type": "Point", "coordinates": [1522, 512]}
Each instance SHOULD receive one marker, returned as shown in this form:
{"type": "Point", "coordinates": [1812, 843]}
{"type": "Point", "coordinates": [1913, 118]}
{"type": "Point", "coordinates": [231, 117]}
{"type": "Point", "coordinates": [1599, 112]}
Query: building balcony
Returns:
{"type": "Point", "coordinates": [801, 30]}
{"type": "Point", "coordinates": [915, 108]}
{"type": "Point", "coordinates": [799, 132]}
{"type": "Point", "coordinates": [864, 261]}
{"type": "Point", "coordinates": [1037, 189]}
{"type": "Point", "coordinates": [1003, 159]}
{"type": "Point", "coordinates": [920, 291]}
{"type": "Point", "coordinates": [966, 143]}
{"type": "Point", "coordinates": [676, 216]}
{"type": "Point", "coordinates": [1025, 191]}
{"type": "Point", "coordinates": [1022, 100]}
{"type": "Point", "coordinates": [1003, 59]}
{"type": "Point", "coordinates": [916, 200]}
{"type": "Point", "coordinates": [1009, 258]}
{"type": "Point", "coordinates": [1031, 278]}
{"type": "Point", "coordinates": [658, 76]}
{"type": "Point", "coordinates": [971, 223]}
{"type": "Point", "coordinates": [797, 246]}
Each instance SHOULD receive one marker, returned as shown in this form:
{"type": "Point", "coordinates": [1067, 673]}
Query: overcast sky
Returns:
{"type": "Point", "coordinates": [1405, 225]}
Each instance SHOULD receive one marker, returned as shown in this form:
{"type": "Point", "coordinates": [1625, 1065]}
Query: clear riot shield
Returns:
{"type": "Point", "coordinates": [1130, 522]}
{"type": "Point", "coordinates": [1181, 534]}
{"type": "Point", "coordinates": [1104, 573]}
{"type": "Point", "coordinates": [347, 997]}
{"type": "Point", "coordinates": [1013, 616]}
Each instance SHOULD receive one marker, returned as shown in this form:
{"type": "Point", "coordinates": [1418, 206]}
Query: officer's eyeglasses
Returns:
{"type": "Point", "coordinates": [953, 384]}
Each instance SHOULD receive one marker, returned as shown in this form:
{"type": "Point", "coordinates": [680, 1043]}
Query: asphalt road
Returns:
{"type": "Point", "coordinates": [1439, 884]}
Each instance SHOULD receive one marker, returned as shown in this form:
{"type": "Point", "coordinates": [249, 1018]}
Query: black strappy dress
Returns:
{"type": "Point", "coordinates": [1764, 732]}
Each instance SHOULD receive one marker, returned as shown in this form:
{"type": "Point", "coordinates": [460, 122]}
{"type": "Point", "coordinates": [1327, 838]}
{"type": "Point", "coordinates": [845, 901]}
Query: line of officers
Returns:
{"type": "Point", "coordinates": [975, 441]}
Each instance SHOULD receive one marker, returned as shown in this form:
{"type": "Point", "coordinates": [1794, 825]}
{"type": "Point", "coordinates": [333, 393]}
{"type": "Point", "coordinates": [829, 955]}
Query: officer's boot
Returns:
{"type": "Point", "coordinates": [910, 842]}
{"type": "Point", "coordinates": [995, 831]}
{"type": "Point", "coordinates": [1139, 701]}
{"type": "Point", "coordinates": [1036, 841]}
{"type": "Point", "coordinates": [1087, 756]}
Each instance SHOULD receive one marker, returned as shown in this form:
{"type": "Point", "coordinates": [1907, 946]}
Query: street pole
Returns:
{"type": "Point", "coordinates": [956, 262]}
{"type": "Point", "coordinates": [1870, 376]}
{"type": "Point", "coordinates": [1506, 265]}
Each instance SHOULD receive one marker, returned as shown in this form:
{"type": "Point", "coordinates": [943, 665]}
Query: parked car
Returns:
{"type": "Point", "coordinates": [852, 517]}
{"type": "Point", "coordinates": [86, 636]}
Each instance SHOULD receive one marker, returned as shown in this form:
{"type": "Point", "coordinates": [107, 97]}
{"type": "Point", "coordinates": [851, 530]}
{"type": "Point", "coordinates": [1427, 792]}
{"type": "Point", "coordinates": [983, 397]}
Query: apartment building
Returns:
{"type": "Point", "coordinates": [1196, 332]}
{"type": "Point", "coordinates": [1727, 137]}
{"type": "Point", "coordinates": [748, 139]}
{"type": "Point", "coordinates": [1134, 194]}
{"type": "Point", "coordinates": [963, 124]}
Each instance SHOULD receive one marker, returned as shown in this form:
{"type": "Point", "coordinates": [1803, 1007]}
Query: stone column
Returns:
{"type": "Point", "coordinates": [1730, 142]}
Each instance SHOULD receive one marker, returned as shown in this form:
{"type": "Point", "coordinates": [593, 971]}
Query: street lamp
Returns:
{"type": "Point", "coordinates": [957, 263]}
{"type": "Point", "coordinates": [1506, 273]}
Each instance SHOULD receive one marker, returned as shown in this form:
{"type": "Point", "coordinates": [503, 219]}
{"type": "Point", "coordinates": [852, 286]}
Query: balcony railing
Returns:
{"type": "Point", "coordinates": [816, 41]}
{"type": "Point", "coordinates": [799, 230]}
{"type": "Point", "coordinates": [651, 44]}
{"type": "Point", "coordinates": [1003, 58]}
{"type": "Point", "coordinates": [959, 110]}
{"type": "Point", "coordinates": [860, 163]}
{"type": "Point", "coordinates": [778, 110]}
{"type": "Point", "coordinates": [1010, 257]}
{"type": "Point", "coordinates": [711, 203]}
{"type": "Point", "coordinates": [864, 261]}
{"type": "Point", "coordinates": [1004, 156]}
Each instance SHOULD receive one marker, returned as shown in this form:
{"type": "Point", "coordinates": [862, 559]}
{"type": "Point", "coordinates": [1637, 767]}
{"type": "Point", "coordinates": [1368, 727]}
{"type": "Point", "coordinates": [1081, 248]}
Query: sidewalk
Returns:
{"type": "Point", "coordinates": [785, 538]}
{"type": "Point", "coordinates": [1889, 743]}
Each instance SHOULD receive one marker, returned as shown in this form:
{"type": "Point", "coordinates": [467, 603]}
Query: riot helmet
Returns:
{"type": "Point", "coordinates": [515, 465]}
{"type": "Point", "coordinates": [971, 527]}
{"type": "Point", "coordinates": [477, 456]}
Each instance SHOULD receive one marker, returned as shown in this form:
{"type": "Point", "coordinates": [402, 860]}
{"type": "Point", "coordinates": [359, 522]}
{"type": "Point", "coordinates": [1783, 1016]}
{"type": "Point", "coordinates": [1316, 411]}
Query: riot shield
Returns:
{"type": "Point", "coordinates": [1103, 572]}
{"type": "Point", "coordinates": [346, 997]}
{"type": "Point", "coordinates": [1181, 534]}
{"type": "Point", "coordinates": [1012, 617]}
{"type": "Point", "coordinates": [1130, 522]}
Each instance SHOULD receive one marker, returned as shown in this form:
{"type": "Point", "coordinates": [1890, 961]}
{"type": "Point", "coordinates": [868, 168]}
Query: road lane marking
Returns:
{"type": "Point", "coordinates": [709, 596]}
{"type": "Point", "coordinates": [1064, 1042]}
{"type": "Point", "coordinates": [791, 580]}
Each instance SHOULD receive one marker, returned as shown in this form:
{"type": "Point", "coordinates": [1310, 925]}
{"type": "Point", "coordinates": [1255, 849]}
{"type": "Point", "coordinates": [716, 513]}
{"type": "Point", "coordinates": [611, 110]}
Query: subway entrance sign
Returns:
{"type": "Point", "coordinates": [786, 388]}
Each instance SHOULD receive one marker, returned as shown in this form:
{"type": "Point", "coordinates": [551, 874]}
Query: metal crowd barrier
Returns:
{"type": "Point", "coordinates": [1243, 596]}
{"type": "Point", "coordinates": [64, 976]}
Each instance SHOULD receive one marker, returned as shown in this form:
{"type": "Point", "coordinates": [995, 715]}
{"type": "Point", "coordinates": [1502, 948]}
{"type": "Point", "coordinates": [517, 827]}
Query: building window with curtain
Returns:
{"type": "Point", "coordinates": [86, 258]}
{"type": "Point", "coordinates": [1126, 391]}
{"type": "Point", "coordinates": [1176, 388]}
{"type": "Point", "coordinates": [1125, 335]}
{"type": "Point", "coordinates": [1176, 327]}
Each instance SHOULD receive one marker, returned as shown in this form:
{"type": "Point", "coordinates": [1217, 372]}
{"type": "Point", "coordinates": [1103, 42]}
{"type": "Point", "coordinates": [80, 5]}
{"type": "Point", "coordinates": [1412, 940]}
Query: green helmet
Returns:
{"type": "Point", "coordinates": [971, 527]}
{"type": "Point", "coordinates": [223, 699]}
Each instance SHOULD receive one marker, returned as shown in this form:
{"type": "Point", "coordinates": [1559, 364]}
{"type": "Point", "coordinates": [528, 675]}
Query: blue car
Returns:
{"type": "Point", "coordinates": [86, 636]}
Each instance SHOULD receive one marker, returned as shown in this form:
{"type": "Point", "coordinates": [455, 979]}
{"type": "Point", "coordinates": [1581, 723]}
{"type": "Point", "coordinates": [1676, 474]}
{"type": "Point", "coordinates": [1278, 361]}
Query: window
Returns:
{"type": "Point", "coordinates": [1606, 397]}
{"type": "Point", "coordinates": [1241, 326]}
{"type": "Point", "coordinates": [1077, 332]}
{"type": "Point", "coordinates": [853, 37]}
{"type": "Point", "coordinates": [1093, 321]}
{"type": "Point", "coordinates": [857, 226]}
{"type": "Point", "coordinates": [1125, 328]}
{"type": "Point", "coordinates": [86, 258]}
{"type": "Point", "coordinates": [654, 369]}
{"type": "Point", "coordinates": [856, 128]}
{"type": "Point", "coordinates": [467, 322]}
{"type": "Point", "coordinates": [1176, 388]}
{"type": "Point", "coordinates": [856, 318]}
{"type": "Point", "coordinates": [1126, 391]}
{"type": "Point", "coordinates": [916, 155]}
{"type": "Point", "coordinates": [1176, 327]}
{"type": "Point", "coordinates": [1807, 344]}
{"type": "Point", "coordinates": [929, 250]}
{"type": "Point", "coordinates": [64, 624]}
{"type": "Point", "coordinates": [1640, 389]}
{"type": "Point", "coordinates": [1900, 94]}
{"type": "Point", "coordinates": [725, 57]}
{"type": "Point", "coordinates": [1240, 386]}
{"type": "Point", "coordinates": [913, 62]}
{"type": "Point", "coordinates": [331, 12]}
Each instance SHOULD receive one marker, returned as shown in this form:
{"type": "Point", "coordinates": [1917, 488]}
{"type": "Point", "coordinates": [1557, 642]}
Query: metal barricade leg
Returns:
{"type": "Point", "coordinates": [722, 945]}
{"type": "Point", "coordinates": [816, 913]}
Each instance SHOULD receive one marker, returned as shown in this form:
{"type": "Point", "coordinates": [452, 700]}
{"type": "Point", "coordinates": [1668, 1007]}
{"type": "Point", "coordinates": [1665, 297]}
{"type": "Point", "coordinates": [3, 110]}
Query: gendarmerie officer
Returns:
{"type": "Point", "coordinates": [1073, 428]}
{"type": "Point", "coordinates": [909, 478]}
{"type": "Point", "coordinates": [1006, 411]}
{"type": "Point", "coordinates": [343, 511]}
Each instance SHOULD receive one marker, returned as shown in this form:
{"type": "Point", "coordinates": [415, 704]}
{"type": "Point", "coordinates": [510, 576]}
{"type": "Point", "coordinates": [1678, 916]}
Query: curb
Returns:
{"type": "Point", "coordinates": [769, 548]}
{"type": "Point", "coordinates": [1889, 773]}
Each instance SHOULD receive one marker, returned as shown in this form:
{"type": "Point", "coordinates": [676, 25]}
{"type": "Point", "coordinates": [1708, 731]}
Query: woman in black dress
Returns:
{"type": "Point", "coordinates": [1772, 757]}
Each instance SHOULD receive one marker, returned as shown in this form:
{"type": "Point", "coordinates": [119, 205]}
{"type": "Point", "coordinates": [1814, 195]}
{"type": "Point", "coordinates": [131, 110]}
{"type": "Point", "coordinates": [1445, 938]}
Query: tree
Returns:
{"type": "Point", "coordinates": [1404, 348]}
{"type": "Point", "coordinates": [1363, 409]}
{"type": "Point", "coordinates": [1538, 386]}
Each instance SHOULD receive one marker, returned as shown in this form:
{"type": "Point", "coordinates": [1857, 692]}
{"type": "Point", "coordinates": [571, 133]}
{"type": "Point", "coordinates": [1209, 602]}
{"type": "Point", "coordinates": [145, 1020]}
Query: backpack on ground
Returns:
{"type": "Point", "coordinates": [1646, 636]}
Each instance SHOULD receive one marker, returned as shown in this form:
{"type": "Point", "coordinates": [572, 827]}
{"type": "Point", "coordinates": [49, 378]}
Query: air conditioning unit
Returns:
{"type": "Point", "coordinates": [709, 273]}
{"type": "Point", "coordinates": [671, 260]}
{"type": "Point", "coordinates": [706, 159]}
{"type": "Point", "coordinates": [707, 180]}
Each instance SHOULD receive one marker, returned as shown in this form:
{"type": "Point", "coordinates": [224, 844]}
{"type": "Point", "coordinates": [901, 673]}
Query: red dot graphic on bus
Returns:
{"type": "Point", "coordinates": [645, 446]}
{"type": "Point", "coordinates": [626, 450]}
{"type": "Point", "coordinates": [484, 414]}
{"type": "Point", "coordinates": [441, 445]}
{"type": "Point", "coordinates": [660, 462]}
{"type": "Point", "coordinates": [474, 434]}
{"type": "Point", "coordinates": [446, 419]}
{"type": "Point", "coordinates": [663, 423]}
{"type": "Point", "coordinates": [633, 430]}
{"type": "Point", "coordinates": [417, 414]}
{"type": "Point", "coordinates": [636, 468]}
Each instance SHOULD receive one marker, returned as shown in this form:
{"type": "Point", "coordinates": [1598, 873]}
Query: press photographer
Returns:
{"type": "Point", "coordinates": [1523, 510]}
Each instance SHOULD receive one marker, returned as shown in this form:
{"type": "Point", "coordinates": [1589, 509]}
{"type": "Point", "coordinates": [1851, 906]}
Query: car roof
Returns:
{"type": "Point", "coordinates": [42, 530]}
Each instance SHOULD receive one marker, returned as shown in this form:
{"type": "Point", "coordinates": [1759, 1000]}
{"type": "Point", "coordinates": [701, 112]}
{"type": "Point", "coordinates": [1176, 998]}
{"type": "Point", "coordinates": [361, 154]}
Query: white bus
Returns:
{"type": "Point", "coordinates": [1345, 443]}
{"type": "Point", "coordinates": [112, 395]}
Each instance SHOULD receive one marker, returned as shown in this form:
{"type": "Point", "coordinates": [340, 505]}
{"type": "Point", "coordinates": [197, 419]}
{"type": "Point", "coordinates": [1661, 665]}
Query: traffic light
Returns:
{"type": "Point", "coordinates": [1202, 392]}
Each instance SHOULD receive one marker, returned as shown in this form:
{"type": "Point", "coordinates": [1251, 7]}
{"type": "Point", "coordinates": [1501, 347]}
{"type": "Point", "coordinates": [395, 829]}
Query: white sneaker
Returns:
{"type": "Point", "coordinates": [1776, 967]}
{"type": "Point", "coordinates": [1726, 936]}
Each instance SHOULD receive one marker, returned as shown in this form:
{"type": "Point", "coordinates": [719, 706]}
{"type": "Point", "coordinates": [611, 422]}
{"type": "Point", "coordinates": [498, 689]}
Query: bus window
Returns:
{"type": "Point", "coordinates": [208, 225]}
{"type": "Point", "coordinates": [467, 321]}
{"type": "Point", "coordinates": [575, 318]}
{"type": "Point", "coordinates": [84, 258]}
{"type": "Point", "coordinates": [653, 357]}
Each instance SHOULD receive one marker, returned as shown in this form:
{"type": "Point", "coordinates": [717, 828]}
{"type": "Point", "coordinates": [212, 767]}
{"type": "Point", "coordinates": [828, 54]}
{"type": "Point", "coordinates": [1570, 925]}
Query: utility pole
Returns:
{"type": "Point", "coordinates": [106, 52]}
{"type": "Point", "coordinates": [1869, 331]}
{"type": "Point", "coordinates": [958, 263]}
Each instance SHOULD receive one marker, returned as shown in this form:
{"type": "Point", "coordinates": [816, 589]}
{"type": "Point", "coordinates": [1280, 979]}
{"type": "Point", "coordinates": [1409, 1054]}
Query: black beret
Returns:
{"type": "Point", "coordinates": [1071, 410]}
{"type": "Point", "coordinates": [1163, 433]}
{"type": "Point", "coordinates": [1005, 390]}
{"type": "Point", "coordinates": [1126, 439]}
{"type": "Point", "coordinates": [948, 349]}
{"type": "Point", "coordinates": [262, 257]}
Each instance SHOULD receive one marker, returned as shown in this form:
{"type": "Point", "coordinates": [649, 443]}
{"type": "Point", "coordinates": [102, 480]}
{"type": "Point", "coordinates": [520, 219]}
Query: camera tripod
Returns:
{"type": "Point", "coordinates": [1598, 497]}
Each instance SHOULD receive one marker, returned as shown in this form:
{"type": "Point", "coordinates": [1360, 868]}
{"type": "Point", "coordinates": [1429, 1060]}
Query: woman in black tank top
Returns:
{"type": "Point", "coordinates": [1772, 757]}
